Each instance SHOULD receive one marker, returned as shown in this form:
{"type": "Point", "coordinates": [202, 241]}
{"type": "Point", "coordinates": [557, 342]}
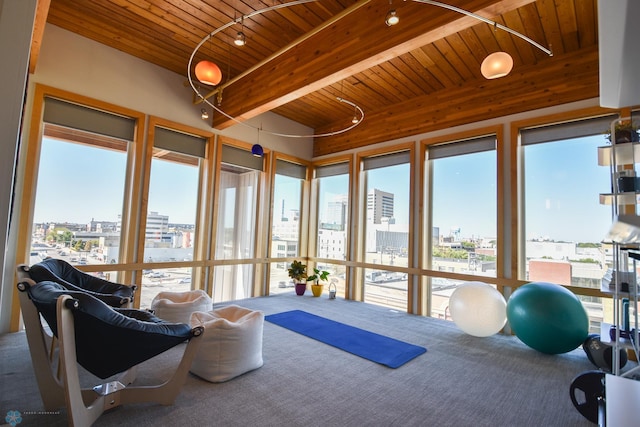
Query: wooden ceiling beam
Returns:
{"type": "Point", "coordinates": [42, 11]}
{"type": "Point", "coordinates": [344, 49]}
{"type": "Point", "coordinates": [560, 80]}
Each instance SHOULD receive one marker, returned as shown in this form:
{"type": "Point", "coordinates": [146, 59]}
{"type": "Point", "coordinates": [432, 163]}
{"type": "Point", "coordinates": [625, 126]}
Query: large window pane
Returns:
{"type": "Point", "coordinates": [333, 215]}
{"type": "Point", "coordinates": [79, 197]}
{"type": "Point", "coordinates": [285, 230]}
{"type": "Point", "coordinates": [387, 228]}
{"type": "Point", "coordinates": [464, 214]}
{"type": "Point", "coordinates": [564, 222]}
{"type": "Point", "coordinates": [236, 231]}
{"type": "Point", "coordinates": [171, 217]}
{"type": "Point", "coordinates": [464, 209]}
{"type": "Point", "coordinates": [171, 213]}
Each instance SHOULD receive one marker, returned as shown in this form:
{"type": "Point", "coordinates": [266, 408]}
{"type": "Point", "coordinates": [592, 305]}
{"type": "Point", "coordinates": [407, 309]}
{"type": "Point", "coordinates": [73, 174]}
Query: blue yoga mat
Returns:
{"type": "Point", "coordinates": [377, 348]}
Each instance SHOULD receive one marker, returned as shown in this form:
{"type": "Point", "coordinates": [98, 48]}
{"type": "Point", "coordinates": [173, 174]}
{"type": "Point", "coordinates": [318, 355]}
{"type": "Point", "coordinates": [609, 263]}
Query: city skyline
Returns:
{"type": "Point", "coordinates": [578, 181]}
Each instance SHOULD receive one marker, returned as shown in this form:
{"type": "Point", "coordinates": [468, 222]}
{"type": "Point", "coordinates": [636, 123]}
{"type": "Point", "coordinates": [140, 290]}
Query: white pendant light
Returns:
{"type": "Point", "coordinates": [496, 65]}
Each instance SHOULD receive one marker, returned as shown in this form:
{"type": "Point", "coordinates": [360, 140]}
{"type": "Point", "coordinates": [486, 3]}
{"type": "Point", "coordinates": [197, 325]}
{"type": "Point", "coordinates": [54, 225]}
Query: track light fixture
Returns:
{"type": "Point", "coordinates": [392, 18]}
{"type": "Point", "coordinates": [241, 39]}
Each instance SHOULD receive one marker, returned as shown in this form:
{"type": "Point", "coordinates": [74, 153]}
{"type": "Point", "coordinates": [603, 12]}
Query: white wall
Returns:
{"type": "Point", "coordinates": [16, 22]}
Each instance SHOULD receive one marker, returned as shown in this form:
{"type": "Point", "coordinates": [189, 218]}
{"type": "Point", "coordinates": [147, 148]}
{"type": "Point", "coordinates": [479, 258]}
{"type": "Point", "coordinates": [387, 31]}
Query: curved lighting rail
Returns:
{"type": "Point", "coordinates": [357, 109]}
{"type": "Point", "coordinates": [219, 110]}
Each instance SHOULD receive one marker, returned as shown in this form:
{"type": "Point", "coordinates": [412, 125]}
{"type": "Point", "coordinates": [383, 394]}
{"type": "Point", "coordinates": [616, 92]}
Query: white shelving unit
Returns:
{"type": "Point", "coordinates": [623, 160]}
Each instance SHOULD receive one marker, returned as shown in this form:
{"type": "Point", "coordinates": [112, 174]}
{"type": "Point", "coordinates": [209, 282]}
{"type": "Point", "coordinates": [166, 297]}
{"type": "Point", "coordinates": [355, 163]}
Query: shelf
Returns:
{"type": "Point", "coordinates": [608, 290]}
{"type": "Point", "coordinates": [605, 337]}
{"type": "Point", "coordinates": [623, 160]}
{"type": "Point", "coordinates": [628, 198]}
{"type": "Point", "coordinates": [626, 232]}
{"type": "Point", "coordinates": [625, 154]}
{"type": "Point", "coordinates": [612, 277]}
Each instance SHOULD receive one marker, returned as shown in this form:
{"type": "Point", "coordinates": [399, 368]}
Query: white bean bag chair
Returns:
{"type": "Point", "coordinates": [231, 344]}
{"type": "Point", "coordinates": [177, 307]}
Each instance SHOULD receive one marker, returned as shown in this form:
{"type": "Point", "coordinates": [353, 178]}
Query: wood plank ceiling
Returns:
{"type": "Point", "coordinates": [420, 75]}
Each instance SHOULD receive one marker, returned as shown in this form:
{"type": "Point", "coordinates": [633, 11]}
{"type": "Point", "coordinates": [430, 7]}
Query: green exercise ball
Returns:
{"type": "Point", "coordinates": [547, 317]}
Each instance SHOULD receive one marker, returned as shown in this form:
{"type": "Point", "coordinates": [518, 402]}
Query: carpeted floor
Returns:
{"type": "Point", "coordinates": [460, 381]}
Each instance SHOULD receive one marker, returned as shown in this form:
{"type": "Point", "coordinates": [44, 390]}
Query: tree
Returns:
{"type": "Point", "coordinates": [60, 235]}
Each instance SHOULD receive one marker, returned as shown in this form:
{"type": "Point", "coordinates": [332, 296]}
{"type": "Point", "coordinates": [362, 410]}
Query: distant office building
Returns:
{"type": "Point", "coordinates": [379, 205]}
{"type": "Point", "coordinates": [102, 226]}
{"type": "Point", "coordinates": [335, 217]}
{"type": "Point", "coordinates": [332, 244]}
{"type": "Point", "coordinates": [157, 227]}
{"type": "Point", "coordinates": [551, 271]}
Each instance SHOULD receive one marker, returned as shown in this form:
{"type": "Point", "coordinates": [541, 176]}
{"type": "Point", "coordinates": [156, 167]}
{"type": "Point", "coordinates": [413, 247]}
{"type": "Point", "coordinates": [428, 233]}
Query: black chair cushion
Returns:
{"type": "Point", "coordinates": [60, 271]}
{"type": "Point", "coordinates": [108, 340]}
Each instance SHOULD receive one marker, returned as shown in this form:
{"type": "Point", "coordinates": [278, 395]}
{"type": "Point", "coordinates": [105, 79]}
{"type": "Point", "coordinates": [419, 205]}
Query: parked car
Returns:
{"type": "Point", "coordinates": [157, 275]}
{"type": "Point", "coordinates": [185, 280]}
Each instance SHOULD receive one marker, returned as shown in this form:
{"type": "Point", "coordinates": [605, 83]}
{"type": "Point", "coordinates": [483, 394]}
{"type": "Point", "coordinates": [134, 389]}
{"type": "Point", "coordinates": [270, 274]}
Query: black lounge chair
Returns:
{"type": "Point", "coordinates": [63, 273]}
{"type": "Point", "coordinates": [104, 340]}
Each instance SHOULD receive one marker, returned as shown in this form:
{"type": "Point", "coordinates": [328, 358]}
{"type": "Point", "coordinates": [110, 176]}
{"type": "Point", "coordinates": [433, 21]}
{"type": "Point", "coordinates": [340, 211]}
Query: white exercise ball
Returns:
{"type": "Point", "coordinates": [478, 309]}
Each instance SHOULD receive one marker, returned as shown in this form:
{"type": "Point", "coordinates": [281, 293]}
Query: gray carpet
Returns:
{"type": "Point", "coordinates": [460, 381]}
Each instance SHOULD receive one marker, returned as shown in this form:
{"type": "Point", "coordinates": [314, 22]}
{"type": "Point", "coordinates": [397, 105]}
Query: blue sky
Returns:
{"type": "Point", "coordinates": [96, 175]}
{"type": "Point", "coordinates": [568, 207]}
{"type": "Point", "coordinates": [464, 185]}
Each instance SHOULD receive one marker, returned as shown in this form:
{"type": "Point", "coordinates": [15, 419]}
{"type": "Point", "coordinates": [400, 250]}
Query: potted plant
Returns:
{"type": "Point", "coordinates": [298, 272]}
{"type": "Point", "coordinates": [625, 131]}
{"type": "Point", "coordinates": [316, 277]}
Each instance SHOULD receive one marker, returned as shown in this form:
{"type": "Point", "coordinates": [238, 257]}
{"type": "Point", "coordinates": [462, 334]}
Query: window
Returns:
{"type": "Point", "coordinates": [171, 210]}
{"type": "Point", "coordinates": [333, 211]}
{"type": "Point", "coordinates": [239, 182]}
{"type": "Point", "coordinates": [564, 221]}
{"type": "Point", "coordinates": [285, 229]}
{"type": "Point", "coordinates": [80, 189]}
{"type": "Point", "coordinates": [387, 202]}
{"type": "Point", "coordinates": [463, 209]}
{"type": "Point", "coordinates": [332, 183]}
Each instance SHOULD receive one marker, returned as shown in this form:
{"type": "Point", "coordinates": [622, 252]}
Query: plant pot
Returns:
{"type": "Point", "coordinates": [316, 290]}
{"type": "Point", "coordinates": [300, 288]}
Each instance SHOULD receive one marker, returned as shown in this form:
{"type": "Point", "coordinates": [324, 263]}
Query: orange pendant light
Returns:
{"type": "Point", "coordinates": [208, 73]}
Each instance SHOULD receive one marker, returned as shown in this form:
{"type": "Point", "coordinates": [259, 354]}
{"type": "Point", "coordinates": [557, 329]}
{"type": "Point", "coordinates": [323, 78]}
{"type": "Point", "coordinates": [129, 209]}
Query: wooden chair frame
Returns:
{"type": "Point", "coordinates": [57, 374]}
